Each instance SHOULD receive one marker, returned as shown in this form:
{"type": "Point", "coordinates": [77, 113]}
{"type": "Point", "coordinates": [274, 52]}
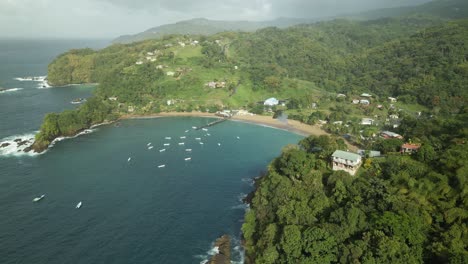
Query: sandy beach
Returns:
{"type": "Point", "coordinates": [290, 125]}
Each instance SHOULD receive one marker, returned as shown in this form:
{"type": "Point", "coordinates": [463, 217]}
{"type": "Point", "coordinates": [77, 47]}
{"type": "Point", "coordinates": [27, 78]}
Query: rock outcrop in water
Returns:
{"type": "Point", "coordinates": [224, 251]}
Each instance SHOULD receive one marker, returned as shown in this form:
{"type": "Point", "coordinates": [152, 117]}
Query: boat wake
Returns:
{"type": "Point", "coordinates": [10, 90]}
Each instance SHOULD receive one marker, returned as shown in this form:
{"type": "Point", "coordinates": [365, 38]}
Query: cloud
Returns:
{"type": "Point", "coordinates": [110, 18]}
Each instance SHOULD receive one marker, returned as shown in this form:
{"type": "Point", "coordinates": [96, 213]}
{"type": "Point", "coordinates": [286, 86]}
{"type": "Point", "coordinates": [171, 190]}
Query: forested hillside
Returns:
{"type": "Point", "coordinates": [397, 209]}
{"type": "Point", "coordinates": [420, 60]}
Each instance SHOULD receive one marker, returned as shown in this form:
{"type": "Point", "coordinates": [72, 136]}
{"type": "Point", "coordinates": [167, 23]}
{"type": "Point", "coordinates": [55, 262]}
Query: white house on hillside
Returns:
{"type": "Point", "coordinates": [346, 161]}
{"type": "Point", "coordinates": [271, 102]}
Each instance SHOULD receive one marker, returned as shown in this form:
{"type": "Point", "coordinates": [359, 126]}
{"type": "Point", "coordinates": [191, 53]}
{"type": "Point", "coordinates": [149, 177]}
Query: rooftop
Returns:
{"type": "Point", "coordinates": [346, 155]}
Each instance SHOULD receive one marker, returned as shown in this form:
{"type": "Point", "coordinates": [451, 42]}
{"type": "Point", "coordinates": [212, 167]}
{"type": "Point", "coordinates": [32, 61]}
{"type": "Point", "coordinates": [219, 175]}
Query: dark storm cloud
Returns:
{"type": "Point", "coordinates": [110, 18]}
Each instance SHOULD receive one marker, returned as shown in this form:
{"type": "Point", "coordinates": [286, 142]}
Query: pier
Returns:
{"type": "Point", "coordinates": [213, 123]}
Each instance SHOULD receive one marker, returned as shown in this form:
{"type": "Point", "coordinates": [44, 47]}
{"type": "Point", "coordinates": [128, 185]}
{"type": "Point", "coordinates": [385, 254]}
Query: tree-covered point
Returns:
{"type": "Point", "coordinates": [397, 209]}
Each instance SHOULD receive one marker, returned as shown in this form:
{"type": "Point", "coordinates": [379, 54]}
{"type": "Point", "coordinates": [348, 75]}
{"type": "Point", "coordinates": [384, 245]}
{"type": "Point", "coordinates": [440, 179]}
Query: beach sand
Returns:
{"type": "Point", "coordinates": [290, 125]}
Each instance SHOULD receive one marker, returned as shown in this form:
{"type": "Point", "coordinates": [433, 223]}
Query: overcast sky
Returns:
{"type": "Point", "coordinates": [111, 18]}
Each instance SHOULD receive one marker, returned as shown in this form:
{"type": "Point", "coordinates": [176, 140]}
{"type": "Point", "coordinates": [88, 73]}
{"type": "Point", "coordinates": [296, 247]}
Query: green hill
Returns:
{"type": "Point", "coordinates": [446, 9]}
{"type": "Point", "coordinates": [421, 61]}
{"type": "Point", "coordinates": [203, 26]}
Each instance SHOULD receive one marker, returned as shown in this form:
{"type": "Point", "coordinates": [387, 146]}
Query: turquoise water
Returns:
{"type": "Point", "coordinates": [133, 211]}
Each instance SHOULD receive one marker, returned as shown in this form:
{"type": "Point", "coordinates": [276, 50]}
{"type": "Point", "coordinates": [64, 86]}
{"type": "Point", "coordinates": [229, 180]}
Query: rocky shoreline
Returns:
{"type": "Point", "coordinates": [223, 244]}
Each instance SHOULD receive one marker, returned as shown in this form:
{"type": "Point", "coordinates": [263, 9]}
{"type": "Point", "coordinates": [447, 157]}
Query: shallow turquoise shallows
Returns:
{"type": "Point", "coordinates": [133, 210]}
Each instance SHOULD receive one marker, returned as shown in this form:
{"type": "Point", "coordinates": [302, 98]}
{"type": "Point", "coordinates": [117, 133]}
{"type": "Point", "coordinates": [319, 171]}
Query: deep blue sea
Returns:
{"type": "Point", "coordinates": [133, 210]}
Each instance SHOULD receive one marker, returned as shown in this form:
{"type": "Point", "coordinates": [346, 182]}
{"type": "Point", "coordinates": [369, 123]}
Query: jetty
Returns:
{"type": "Point", "coordinates": [213, 123]}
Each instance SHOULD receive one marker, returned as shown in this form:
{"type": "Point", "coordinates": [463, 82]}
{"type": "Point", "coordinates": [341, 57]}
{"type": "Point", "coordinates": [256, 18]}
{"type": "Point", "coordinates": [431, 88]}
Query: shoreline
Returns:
{"type": "Point", "coordinates": [290, 125]}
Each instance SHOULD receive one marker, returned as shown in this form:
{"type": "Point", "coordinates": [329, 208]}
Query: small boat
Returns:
{"type": "Point", "coordinates": [37, 199]}
{"type": "Point", "coordinates": [167, 137]}
{"type": "Point", "coordinates": [188, 150]}
{"type": "Point", "coordinates": [219, 144]}
{"type": "Point", "coordinates": [181, 143]}
{"type": "Point", "coordinates": [208, 134]}
{"type": "Point", "coordinates": [186, 131]}
{"type": "Point", "coordinates": [167, 144]}
{"type": "Point", "coordinates": [238, 137]}
{"type": "Point", "coordinates": [78, 206]}
{"type": "Point", "coordinates": [162, 150]}
{"type": "Point", "coordinates": [188, 158]}
{"type": "Point", "coordinates": [129, 159]}
{"type": "Point", "coordinates": [182, 137]}
{"type": "Point", "coordinates": [197, 138]}
{"type": "Point", "coordinates": [204, 129]}
{"type": "Point", "coordinates": [150, 147]}
{"type": "Point", "coordinates": [74, 101]}
{"type": "Point", "coordinates": [194, 127]}
{"type": "Point", "coordinates": [148, 144]}
{"type": "Point", "coordinates": [161, 166]}
{"type": "Point", "coordinates": [201, 143]}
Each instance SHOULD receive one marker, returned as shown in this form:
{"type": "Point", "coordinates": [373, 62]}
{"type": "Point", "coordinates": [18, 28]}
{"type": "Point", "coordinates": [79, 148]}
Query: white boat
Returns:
{"type": "Point", "coordinates": [78, 206]}
{"type": "Point", "coordinates": [194, 127]}
{"type": "Point", "coordinates": [208, 134]}
{"type": "Point", "coordinates": [204, 129]}
{"type": "Point", "coordinates": [181, 143]}
{"type": "Point", "coordinates": [167, 137]}
{"type": "Point", "coordinates": [186, 131]}
{"type": "Point", "coordinates": [188, 150]}
{"type": "Point", "coordinates": [37, 199]}
{"type": "Point", "coordinates": [148, 144]}
{"type": "Point", "coordinates": [150, 147]}
{"type": "Point", "coordinates": [197, 138]}
{"type": "Point", "coordinates": [162, 150]}
{"type": "Point", "coordinates": [182, 137]}
{"type": "Point", "coordinates": [238, 137]}
{"type": "Point", "coordinates": [188, 158]}
{"type": "Point", "coordinates": [201, 143]}
{"type": "Point", "coordinates": [167, 144]}
{"type": "Point", "coordinates": [129, 159]}
{"type": "Point", "coordinates": [161, 166]}
{"type": "Point", "coordinates": [219, 144]}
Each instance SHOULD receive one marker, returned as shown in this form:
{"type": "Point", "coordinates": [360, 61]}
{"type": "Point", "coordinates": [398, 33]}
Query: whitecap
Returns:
{"type": "Point", "coordinates": [10, 90]}
{"type": "Point", "coordinates": [13, 148]}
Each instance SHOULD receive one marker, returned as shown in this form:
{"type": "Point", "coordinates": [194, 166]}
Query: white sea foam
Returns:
{"type": "Point", "coordinates": [14, 148]}
{"type": "Point", "coordinates": [237, 254]}
{"type": "Point", "coordinates": [10, 90]}
{"type": "Point", "coordinates": [31, 79]}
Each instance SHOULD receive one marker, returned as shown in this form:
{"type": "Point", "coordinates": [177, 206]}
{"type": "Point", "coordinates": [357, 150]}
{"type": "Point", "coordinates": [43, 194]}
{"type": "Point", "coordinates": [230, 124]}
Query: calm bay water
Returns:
{"type": "Point", "coordinates": [133, 211]}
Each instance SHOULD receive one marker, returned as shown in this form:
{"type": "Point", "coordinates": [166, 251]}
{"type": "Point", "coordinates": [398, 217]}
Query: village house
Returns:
{"type": "Point", "coordinates": [338, 123]}
{"type": "Point", "coordinates": [369, 153]}
{"type": "Point", "coordinates": [170, 73]}
{"type": "Point", "coordinates": [389, 134]}
{"type": "Point", "coordinates": [393, 116]}
{"type": "Point", "coordinates": [271, 102]}
{"type": "Point", "coordinates": [409, 148]}
{"type": "Point", "coordinates": [138, 62]}
{"type": "Point", "coordinates": [392, 99]}
{"type": "Point", "coordinates": [340, 95]}
{"type": "Point", "coordinates": [367, 121]}
{"type": "Point", "coordinates": [355, 101]}
{"type": "Point", "coordinates": [364, 102]}
{"type": "Point", "coordinates": [346, 161]}
{"type": "Point", "coordinates": [150, 53]}
{"type": "Point", "coordinates": [366, 95]}
{"type": "Point", "coordinates": [112, 98]}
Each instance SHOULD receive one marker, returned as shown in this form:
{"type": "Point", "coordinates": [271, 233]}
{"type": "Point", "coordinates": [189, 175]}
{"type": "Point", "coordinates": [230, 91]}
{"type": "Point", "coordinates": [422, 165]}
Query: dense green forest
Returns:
{"type": "Point", "coordinates": [420, 60]}
{"type": "Point", "coordinates": [397, 209]}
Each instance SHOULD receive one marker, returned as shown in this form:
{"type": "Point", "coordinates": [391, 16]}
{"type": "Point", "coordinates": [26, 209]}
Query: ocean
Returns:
{"type": "Point", "coordinates": [146, 197]}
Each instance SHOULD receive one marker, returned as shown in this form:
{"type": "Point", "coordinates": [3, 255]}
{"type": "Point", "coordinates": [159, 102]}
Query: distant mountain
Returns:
{"type": "Point", "coordinates": [446, 9]}
{"type": "Point", "coordinates": [203, 26]}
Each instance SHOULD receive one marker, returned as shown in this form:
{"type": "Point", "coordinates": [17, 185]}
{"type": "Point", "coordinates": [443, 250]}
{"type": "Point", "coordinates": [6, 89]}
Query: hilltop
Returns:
{"type": "Point", "coordinates": [203, 26]}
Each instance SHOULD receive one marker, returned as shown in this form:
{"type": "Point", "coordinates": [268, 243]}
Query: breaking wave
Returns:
{"type": "Point", "coordinates": [15, 145]}
{"type": "Point", "coordinates": [10, 90]}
